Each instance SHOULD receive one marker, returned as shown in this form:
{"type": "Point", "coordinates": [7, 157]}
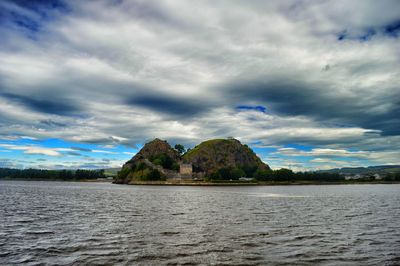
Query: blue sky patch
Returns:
{"type": "Point", "coordinates": [393, 29]}
{"type": "Point", "coordinates": [258, 108]}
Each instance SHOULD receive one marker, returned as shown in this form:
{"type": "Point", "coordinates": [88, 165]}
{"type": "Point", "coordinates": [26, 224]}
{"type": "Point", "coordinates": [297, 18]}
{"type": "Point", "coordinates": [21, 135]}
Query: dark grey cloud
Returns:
{"type": "Point", "coordinates": [45, 105]}
{"type": "Point", "coordinates": [183, 107]}
{"type": "Point", "coordinates": [51, 123]}
{"type": "Point", "coordinates": [322, 102]}
{"type": "Point", "coordinates": [81, 149]}
{"type": "Point", "coordinates": [74, 153]}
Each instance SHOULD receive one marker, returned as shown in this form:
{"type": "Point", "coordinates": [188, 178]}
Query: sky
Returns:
{"type": "Point", "coordinates": [307, 84]}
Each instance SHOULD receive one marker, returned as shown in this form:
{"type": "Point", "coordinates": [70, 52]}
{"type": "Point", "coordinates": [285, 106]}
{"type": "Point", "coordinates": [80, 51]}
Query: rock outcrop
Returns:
{"type": "Point", "coordinates": [213, 159]}
{"type": "Point", "coordinates": [153, 149]}
{"type": "Point", "coordinates": [156, 160]}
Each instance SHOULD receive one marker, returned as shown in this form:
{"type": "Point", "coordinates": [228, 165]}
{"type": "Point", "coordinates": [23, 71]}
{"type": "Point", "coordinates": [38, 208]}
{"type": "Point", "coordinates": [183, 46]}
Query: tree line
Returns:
{"type": "Point", "coordinates": [392, 177]}
{"type": "Point", "coordinates": [288, 175]}
{"type": "Point", "coordinates": [230, 173]}
{"type": "Point", "coordinates": [36, 174]}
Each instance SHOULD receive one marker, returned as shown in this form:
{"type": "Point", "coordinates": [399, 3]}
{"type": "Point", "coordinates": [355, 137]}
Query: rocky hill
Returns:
{"type": "Point", "coordinates": [213, 155]}
{"type": "Point", "coordinates": [157, 160]}
{"type": "Point", "coordinates": [212, 159]}
{"type": "Point", "coordinates": [155, 148]}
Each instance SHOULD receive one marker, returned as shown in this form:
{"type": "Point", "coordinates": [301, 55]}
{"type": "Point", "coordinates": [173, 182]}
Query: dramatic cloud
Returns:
{"type": "Point", "coordinates": [105, 76]}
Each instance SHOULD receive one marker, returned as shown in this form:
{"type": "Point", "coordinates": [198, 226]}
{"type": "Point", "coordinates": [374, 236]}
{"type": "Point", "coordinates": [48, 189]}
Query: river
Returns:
{"type": "Point", "coordinates": [67, 223]}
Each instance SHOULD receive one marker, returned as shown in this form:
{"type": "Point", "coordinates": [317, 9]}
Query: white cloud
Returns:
{"type": "Point", "coordinates": [330, 161]}
{"type": "Point", "coordinates": [48, 152]}
{"type": "Point", "coordinates": [324, 152]}
{"type": "Point", "coordinates": [33, 149]}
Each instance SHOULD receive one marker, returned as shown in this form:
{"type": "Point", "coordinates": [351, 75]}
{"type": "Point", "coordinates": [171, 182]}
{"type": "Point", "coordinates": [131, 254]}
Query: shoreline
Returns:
{"type": "Point", "coordinates": [201, 183]}
{"type": "Point", "coordinates": [296, 183]}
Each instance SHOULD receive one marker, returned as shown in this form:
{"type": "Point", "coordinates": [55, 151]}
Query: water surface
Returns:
{"type": "Point", "coordinates": [84, 223]}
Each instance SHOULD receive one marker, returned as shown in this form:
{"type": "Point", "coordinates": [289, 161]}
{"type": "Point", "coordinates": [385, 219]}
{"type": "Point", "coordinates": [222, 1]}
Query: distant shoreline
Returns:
{"type": "Point", "coordinates": [233, 183]}
{"type": "Point", "coordinates": [217, 183]}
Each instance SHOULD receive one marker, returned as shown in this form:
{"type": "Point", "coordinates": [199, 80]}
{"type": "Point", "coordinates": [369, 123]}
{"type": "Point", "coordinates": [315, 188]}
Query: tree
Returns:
{"type": "Point", "coordinates": [249, 170]}
{"type": "Point", "coordinates": [227, 173]}
{"type": "Point", "coordinates": [180, 148]}
{"type": "Point", "coordinates": [162, 159]}
{"type": "Point", "coordinates": [237, 173]}
{"type": "Point", "coordinates": [123, 173]}
{"type": "Point", "coordinates": [283, 174]}
{"type": "Point", "coordinates": [224, 173]}
{"type": "Point", "coordinates": [263, 175]}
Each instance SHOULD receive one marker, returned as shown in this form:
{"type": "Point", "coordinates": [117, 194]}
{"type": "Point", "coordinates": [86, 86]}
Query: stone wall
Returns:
{"type": "Point", "coordinates": [186, 169]}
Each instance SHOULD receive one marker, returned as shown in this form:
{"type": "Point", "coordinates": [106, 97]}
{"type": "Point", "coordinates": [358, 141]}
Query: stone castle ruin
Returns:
{"type": "Point", "coordinates": [186, 170]}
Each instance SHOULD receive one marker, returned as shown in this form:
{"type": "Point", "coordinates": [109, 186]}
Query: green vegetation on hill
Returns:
{"type": "Point", "coordinates": [224, 159]}
{"type": "Point", "coordinates": [165, 161]}
{"type": "Point", "coordinates": [149, 162]}
{"type": "Point", "coordinates": [209, 144]}
{"type": "Point", "coordinates": [142, 172]}
{"type": "Point", "coordinates": [217, 159]}
{"type": "Point", "coordinates": [112, 172]}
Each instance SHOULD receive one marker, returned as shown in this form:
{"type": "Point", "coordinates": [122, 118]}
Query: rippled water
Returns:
{"type": "Point", "coordinates": [83, 223]}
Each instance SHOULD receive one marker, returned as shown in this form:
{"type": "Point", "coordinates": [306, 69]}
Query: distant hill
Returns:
{"type": "Point", "coordinates": [379, 169]}
{"type": "Point", "coordinates": [112, 171]}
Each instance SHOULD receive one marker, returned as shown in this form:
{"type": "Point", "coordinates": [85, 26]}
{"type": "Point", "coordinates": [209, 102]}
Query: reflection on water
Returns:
{"type": "Point", "coordinates": [83, 223]}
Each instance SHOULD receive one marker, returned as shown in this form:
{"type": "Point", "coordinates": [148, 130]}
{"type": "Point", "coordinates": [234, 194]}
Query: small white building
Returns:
{"type": "Point", "coordinates": [349, 177]}
{"type": "Point", "coordinates": [378, 177]}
